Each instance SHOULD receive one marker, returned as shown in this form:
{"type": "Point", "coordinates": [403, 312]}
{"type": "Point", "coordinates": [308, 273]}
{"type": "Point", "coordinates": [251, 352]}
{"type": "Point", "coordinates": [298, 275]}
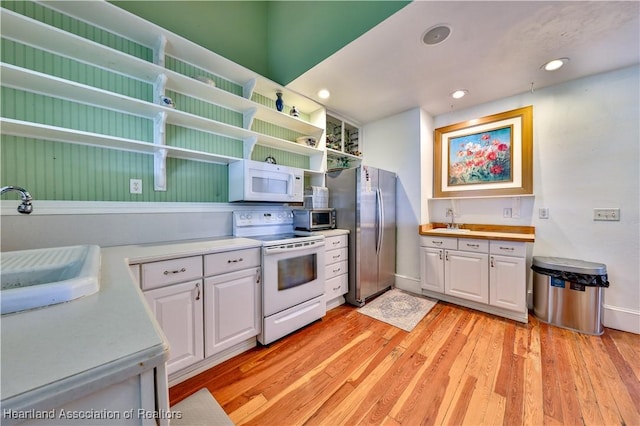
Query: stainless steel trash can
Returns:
{"type": "Point", "coordinates": [568, 293]}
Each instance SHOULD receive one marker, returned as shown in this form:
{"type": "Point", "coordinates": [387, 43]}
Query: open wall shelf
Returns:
{"type": "Point", "coordinates": [35, 34]}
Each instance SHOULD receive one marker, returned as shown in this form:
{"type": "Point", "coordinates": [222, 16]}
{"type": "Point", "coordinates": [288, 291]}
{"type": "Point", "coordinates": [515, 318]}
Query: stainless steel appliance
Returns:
{"type": "Point", "coordinates": [292, 271]}
{"type": "Point", "coordinates": [365, 202]}
{"type": "Point", "coordinates": [314, 219]}
{"type": "Point", "coordinates": [257, 181]}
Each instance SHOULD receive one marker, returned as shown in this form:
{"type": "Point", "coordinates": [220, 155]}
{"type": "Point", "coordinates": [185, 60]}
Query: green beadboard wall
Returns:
{"type": "Point", "coordinates": [61, 171]}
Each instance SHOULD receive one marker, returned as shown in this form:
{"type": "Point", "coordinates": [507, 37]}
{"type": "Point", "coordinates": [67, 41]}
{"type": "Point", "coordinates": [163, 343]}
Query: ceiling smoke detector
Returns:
{"type": "Point", "coordinates": [436, 35]}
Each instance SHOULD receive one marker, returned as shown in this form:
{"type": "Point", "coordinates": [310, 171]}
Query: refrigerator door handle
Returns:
{"type": "Point", "coordinates": [379, 219]}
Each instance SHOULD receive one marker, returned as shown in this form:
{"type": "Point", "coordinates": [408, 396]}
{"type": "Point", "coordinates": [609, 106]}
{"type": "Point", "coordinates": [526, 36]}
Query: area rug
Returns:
{"type": "Point", "coordinates": [399, 308]}
{"type": "Point", "coordinates": [199, 409]}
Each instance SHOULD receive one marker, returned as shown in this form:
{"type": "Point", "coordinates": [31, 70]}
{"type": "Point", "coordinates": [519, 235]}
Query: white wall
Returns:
{"type": "Point", "coordinates": [586, 155]}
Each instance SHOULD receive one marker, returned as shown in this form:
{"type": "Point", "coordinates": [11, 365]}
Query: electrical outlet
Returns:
{"type": "Point", "coordinates": [606, 214]}
{"type": "Point", "coordinates": [135, 186]}
{"type": "Point", "coordinates": [543, 213]}
{"type": "Point", "coordinates": [506, 212]}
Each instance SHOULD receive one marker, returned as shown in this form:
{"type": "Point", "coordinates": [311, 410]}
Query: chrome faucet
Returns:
{"type": "Point", "coordinates": [451, 225]}
{"type": "Point", "coordinates": [25, 207]}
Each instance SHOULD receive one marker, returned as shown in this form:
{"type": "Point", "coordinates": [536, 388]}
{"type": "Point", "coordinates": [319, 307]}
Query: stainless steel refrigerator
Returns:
{"type": "Point", "coordinates": [365, 202]}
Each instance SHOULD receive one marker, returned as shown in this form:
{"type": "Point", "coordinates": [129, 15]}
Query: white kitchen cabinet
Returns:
{"type": "Point", "coordinates": [466, 275]}
{"type": "Point", "coordinates": [506, 275]}
{"type": "Point", "coordinates": [178, 309]}
{"type": "Point", "coordinates": [336, 269]}
{"type": "Point", "coordinates": [432, 269]}
{"type": "Point", "coordinates": [232, 309]}
{"type": "Point", "coordinates": [486, 275]}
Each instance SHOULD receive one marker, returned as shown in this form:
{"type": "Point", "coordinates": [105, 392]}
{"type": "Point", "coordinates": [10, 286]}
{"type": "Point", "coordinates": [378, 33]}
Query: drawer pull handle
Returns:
{"type": "Point", "coordinates": [506, 248]}
{"type": "Point", "coordinates": [335, 243]}
{"type": "Point", "coordinates": [446, 256]}
{"type": "Point", "coordinates": [336, 256]}
{"type": "Point", "coordinates": [235, 260]}
{"type": "Point", "coordinates": [473, 245]}
{"type": "Point", "coordinates": [198, 294]}
{"type": "Point", "coordinates": [177, 271]}
{"type": "Point", "coordinates": [336, 288]}
{"type": "Point", "coordinates": [336, 270]}
{"type": "Point", "coordinates": [440, 254]}
{"type": "Point", "coordinates": [436, 242]}
{"type": "Point", "coordinates": [492, 262]}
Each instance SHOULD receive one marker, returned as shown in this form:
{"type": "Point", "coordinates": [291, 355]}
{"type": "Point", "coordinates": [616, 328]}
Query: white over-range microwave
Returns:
{"type": "Point", "coordinates": [257, 181]}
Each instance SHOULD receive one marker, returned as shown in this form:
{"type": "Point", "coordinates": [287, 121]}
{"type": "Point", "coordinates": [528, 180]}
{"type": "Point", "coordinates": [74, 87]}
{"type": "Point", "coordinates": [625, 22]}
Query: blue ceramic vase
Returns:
{"type": "Point", "coordinates": [279, 102]}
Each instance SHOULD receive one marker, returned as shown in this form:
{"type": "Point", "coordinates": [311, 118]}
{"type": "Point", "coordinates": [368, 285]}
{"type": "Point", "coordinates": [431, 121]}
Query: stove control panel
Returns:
{"type": "Point", "coordinates": [257, 218]}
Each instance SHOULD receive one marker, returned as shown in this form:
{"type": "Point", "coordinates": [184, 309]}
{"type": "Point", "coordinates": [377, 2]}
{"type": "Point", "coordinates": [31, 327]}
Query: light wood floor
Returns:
{"type": "Point", "coordinates": [458, 366]}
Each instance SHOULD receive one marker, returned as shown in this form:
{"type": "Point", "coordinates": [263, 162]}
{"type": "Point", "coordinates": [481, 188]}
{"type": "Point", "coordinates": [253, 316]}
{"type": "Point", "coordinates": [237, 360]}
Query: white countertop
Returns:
{"type": "Point", "coordinates": [56, 354]}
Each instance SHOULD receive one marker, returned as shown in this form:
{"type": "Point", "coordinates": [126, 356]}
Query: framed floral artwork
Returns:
{"type": "Point", "coordinates": [484, 157]}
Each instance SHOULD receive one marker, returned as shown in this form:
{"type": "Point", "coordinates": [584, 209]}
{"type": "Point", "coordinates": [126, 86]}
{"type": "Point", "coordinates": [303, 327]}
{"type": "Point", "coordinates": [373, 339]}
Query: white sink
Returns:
{"type": "Point", "coordinates": [450, 231]}
{"type": "Point", "coordinates": [35, 278]}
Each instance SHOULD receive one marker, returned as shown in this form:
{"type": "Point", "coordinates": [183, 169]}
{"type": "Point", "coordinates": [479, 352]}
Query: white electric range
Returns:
{"type": "Point", "coordinates": [292, 271]}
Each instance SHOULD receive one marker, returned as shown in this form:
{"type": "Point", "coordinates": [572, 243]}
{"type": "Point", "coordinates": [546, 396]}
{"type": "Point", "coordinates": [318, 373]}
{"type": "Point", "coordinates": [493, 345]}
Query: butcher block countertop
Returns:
{"type": "Point", "coordinates": [524, 234]}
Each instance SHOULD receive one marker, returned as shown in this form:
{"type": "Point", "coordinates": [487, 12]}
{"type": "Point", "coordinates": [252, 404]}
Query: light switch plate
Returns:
{"type": "Point", "coordinates": [608, 214]}
{"type": "Point", "coordinates": [543, 213]}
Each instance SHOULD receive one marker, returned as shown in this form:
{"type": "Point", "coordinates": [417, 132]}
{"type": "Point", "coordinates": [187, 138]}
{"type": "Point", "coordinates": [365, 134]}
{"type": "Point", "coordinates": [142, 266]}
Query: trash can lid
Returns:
{"type": "Point", "coordinates": [570, 265]}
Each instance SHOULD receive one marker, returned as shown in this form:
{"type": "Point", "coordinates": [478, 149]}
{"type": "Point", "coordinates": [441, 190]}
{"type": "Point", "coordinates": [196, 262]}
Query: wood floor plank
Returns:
{"type": "Point", "coordinates": [426, 397]}
{"type": "Point", "coordinates": [552, 398]}
{"type": "Point", "coordinates": [605, 400]}
{"type": "Point", "coordinates": [616, 386]}
{"type": "Point", "coordinates": [571, 413]}
{"type": "Point", "coordinates": [629, 347]}
{"type": "Point", "coordinates": [487, 361]}
{"type": "Point", "coordinates": [502, 381]}
{"type": "Point", "coordinates": [457, 366]}
{"type": "Point", "coordinates": [533, 399]}
{"type": "Point", "coordinates": [623, 368]}
{"type": "Point", "coordinates": [381, 398]}
{"type": "Point", "coordinates": [587, 399]}
{"type": "Point", "coordinates": [433, 339]}
{"type": "Point", "coordinates": [456, 387]}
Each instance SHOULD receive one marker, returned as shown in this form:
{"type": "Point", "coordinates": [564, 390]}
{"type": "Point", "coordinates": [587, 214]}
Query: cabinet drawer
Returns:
{"type": "Point", "coordinates": [229, 261]}
{"type": "Point", "coordinates": [336, 286]}
{"type": "Point", "coordinates": [479, 246]}
{"type": "Point", "coordinates": [159, 274]}
{"type": "Point", "coordinates": [334, 256]}
{"type": "Point", "coordinates": [336, 242]}
{"type": "Point", "coordinates": [439, 242]}
{"type": "Point", "coordinates": [508, 248]}
{"type": "Point", "coordinates": [335, 269]}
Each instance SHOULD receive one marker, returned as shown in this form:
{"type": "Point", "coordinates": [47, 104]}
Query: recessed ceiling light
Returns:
{"type": "Point", "coordinates": [459, 93]}
{"type": "Point", "coordinates": [436, 34]}
{"type": "Point", "coordinates": [555, 64]}
{"type": "Point", "coordinates": [324, 94]}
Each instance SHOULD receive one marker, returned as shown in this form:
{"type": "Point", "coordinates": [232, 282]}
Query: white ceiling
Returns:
{"type": "Point", "coordinates": [495, 50]}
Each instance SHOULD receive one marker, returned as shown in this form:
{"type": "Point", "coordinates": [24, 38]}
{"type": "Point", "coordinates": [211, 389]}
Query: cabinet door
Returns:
{"type": "Point", "coordinates": [432, 269]}
{"type": "Point", "coordinates": [178, 310]}
{"type": "Point", "coordinates": [232, 309]}
{"type": "Point", "coordinates": [507, 283]}
{"type": "Point", "coordinates": [467, 275]}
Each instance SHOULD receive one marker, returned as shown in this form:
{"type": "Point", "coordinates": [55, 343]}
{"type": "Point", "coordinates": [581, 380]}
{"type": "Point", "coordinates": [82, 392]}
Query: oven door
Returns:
{"type": "Point", "coordinates": [293, 273]}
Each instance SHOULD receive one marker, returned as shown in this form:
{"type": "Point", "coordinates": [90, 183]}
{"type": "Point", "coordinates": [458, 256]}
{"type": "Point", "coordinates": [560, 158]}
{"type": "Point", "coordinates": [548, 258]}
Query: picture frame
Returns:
{"type": "Point", "coordinates": [485, 157]}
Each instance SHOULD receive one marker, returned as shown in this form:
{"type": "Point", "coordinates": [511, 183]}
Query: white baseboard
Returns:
{"type": "Point", "coordinates": [621, 318]}
{"type": "Point", "coordinates": [406, 283]}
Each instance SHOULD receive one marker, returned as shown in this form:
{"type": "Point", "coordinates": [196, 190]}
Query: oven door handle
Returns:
{"type": "Point", "coordinates": [277, 249]}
